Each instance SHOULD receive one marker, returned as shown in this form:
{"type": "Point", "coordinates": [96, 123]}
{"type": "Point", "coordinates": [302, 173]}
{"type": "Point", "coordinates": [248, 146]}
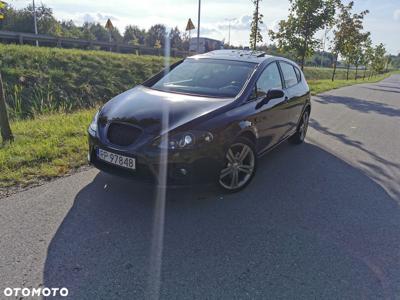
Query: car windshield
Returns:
{"type": "Point", "coordinates": [207, 77]}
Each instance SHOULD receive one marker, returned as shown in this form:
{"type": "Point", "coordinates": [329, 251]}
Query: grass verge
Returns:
{"type": "Point", "coordinates": [44, 148]}
{"type": "Point", "coordinates": [56, 144]}
{"type": "Point", "coordinates": [320, 86]}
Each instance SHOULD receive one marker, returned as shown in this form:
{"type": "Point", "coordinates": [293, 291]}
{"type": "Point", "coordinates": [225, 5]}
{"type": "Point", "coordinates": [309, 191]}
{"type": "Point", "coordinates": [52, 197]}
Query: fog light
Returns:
{"type": "Point", "coordinates": [208, 137]}
{"type": "Point", "coordinates": [183, 171]}
{"type": "Point", "coordinates": [186, 141]}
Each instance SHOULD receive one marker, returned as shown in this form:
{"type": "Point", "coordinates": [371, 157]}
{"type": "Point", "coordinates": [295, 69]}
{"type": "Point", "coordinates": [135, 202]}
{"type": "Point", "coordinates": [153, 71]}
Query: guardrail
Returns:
{"type": "Point", "coordinates": [53, 41]}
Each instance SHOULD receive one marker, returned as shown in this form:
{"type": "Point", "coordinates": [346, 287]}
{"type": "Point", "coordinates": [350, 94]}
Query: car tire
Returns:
{"type": "Point", "coordinates": [240, 165]}
{"type": "Point", "coordinates": [302, 128]}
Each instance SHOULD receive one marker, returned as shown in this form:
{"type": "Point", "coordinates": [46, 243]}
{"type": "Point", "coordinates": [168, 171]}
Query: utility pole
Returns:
{"type": "Point", "coordinates": [229, 29]}
{"type": "Point", "coordinates": [35, 20]}
{"type": "Point", "coordinates": [323, 45]}
{"type": "Point", "coordinates": [198, 28]}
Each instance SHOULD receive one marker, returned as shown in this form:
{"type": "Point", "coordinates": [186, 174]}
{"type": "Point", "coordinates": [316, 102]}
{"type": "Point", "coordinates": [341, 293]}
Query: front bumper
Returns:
{"type": "Point", "coordinates": [184, 167]}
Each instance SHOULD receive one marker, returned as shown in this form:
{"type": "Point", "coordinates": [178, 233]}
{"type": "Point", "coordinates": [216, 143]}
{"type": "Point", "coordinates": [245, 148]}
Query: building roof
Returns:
{"type": "Point", "coordinates": [232, 54]}
{"type": "Point", "coordinates": [194, 39]}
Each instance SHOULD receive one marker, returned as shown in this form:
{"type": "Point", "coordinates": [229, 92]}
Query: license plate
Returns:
{"type": "Point", "coordinates": [116, 159]}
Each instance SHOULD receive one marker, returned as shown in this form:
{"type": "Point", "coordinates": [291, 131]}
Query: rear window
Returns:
{"type": "Point", "coordinates": [207, 77]}
{"type": "Point", "coordinates": [298, 73]}
{"type": "Point", "coordinates": [289, 75]}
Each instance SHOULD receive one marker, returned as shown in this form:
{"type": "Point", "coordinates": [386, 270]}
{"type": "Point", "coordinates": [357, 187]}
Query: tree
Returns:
{"type": "Point", "coordinates": [305, 18]}
{"type": "Point", "coordinates": [21, 20]}
{"type": "Point", "coordinates": [347, 35]}
{"type": "Point", "coordinates": [175, 38]}
{"type": "Point", "coordinates": [115, 35]}
{"type": "Point", "coordinates": [47, 24]}
{"type": "Point", "coordinates": [134, 35]}
{"type": "Point", "coordinates": [367, 55]}
{"type": "Point", "coordinates": [379, 60]}
{"type": "Point", "coordinates": [87, 33]}
{"type": "Point", "coordinates": [156, 33]}
{"type": "Point", "coordinates": [356, 52]}
{"type": "Point", "coordinates": [97, 31]}
{"type": "Point", "coordinates": [6, 132]}
{"type": "Point", "coordinates": [157, 44]}
{"type": "Point", "coordinates": [5, 128]}
{"type": "Point", "coordinates": [70, 30]}
{"type": "Point", "coordinates": [185, 41]}
{"type": "Point", "coordinates": [388, 62]}
{"type": "Point", "coordinates": [395, 61]}
{"type": "Point", "coordinates": [255, 33]}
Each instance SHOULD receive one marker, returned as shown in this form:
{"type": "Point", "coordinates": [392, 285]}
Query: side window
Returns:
{"type": "Point", "coordinates": [298, 73]}
{"type": "Point", "coordinates": [269, 79]}
{"type": "Point", "coordinates": [289, 74]}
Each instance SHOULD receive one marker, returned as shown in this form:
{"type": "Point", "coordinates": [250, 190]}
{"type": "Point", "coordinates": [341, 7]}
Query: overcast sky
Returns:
{"type": "Point", "coordinates": [383, 20]}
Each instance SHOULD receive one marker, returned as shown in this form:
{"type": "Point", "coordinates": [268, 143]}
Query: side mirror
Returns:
{"type": "Point", "coordinates": [274, 94]}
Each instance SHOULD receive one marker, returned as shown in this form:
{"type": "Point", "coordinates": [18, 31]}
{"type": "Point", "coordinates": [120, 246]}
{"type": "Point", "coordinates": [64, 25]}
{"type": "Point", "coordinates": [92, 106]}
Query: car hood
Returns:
{"type": "Point", "coordinates": [147, 108]}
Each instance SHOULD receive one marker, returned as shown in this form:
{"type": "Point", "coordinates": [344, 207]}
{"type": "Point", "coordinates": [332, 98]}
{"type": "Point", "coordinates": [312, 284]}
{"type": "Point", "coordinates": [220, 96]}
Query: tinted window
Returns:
{"type": "Point", "coordinates": [298, 74]}
{"type": "Point", "coordinates": [269, 79]}
{"type": "Point", "coordinates": [289, 74]}
{"type": "Point", "coordinates": [207, 77]}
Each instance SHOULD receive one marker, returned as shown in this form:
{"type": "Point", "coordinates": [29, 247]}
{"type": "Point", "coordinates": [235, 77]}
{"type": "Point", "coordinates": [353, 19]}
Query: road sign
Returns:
{"type": "Point", "coordinates": [190, 25]}
{"type": "Point", "coordinates": [109, 25]}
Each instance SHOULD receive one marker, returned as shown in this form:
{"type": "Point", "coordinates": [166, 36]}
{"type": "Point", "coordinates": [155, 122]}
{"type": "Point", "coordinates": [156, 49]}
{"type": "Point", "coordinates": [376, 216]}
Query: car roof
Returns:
{"type": "Point", "coordinates": [239, 55]}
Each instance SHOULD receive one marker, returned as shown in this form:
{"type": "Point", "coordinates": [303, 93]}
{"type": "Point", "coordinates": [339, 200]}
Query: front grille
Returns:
{"type": "Point", "coordinates": [122, 134]}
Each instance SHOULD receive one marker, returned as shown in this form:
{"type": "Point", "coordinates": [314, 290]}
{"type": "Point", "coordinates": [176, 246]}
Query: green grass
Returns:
{"type": "Point", "coordinates": [43, 80]}
{"type": "Point", "coordinates": [320, 86]}
{"type": "Point", "coordinates": [44, 148]}
{"type": "Point", "coordinates": [313, 73]}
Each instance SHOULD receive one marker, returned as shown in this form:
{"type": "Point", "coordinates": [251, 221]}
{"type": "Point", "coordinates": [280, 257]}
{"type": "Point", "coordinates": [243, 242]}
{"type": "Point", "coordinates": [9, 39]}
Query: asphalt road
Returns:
{"type": "Point", "coordinates": [320, 220]}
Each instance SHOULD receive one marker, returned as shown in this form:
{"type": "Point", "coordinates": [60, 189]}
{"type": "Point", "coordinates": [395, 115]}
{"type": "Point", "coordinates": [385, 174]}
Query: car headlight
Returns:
{"type": "Point", "coordinates": [93, 125]}
{"type": "Point", "coordinates": [186, 140]}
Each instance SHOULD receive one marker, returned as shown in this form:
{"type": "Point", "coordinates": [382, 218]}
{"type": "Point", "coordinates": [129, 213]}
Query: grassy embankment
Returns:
{"type": "Point", "coordinates": [44, 83]}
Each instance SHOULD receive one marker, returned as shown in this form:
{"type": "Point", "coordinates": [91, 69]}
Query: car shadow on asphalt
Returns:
{"type": "Point", "coordinates": [380, 169]}
{"type": "Point", "coordinates": [308, 226]}
{"type": "Point", "coordinates": [361, 105]}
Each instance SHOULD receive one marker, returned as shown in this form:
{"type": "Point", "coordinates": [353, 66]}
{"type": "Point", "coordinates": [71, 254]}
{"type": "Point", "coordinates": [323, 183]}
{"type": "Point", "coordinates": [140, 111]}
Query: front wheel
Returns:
{"type": "Point", "coordinates": [301, 131]}
{"type": "Point", "coordinates": [240, 166]}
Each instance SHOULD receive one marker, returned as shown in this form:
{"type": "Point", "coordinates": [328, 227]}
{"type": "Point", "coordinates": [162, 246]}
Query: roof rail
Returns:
{"type": "Point", "coordinates": [261, 54]}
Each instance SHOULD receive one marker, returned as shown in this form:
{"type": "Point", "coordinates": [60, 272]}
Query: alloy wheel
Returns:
{"type": "Point", "coordinates": [239, 168]}
{"type": "Point", "coordinates": [304, 125]}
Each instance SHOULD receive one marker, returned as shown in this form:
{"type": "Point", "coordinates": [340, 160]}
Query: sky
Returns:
{"type": "Point", "coordinates": [383, 21]}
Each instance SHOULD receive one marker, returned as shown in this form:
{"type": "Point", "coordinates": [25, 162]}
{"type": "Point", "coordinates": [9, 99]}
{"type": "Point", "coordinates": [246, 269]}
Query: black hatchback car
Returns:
{"type": "Point", "coordinates": [205, 119]}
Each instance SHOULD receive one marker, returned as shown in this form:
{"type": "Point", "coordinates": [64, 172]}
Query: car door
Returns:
{"type": "Point", "coordinates": [271, 121]}
{"type": "Point", "coordinates": [294, 92]}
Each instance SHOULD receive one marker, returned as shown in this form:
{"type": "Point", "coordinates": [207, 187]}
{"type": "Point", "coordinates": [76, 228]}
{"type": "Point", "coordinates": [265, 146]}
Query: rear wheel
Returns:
{"type": "Point", "coordinates": [301, 132]}
{"type": "Point", "coordinates": [240, 166]}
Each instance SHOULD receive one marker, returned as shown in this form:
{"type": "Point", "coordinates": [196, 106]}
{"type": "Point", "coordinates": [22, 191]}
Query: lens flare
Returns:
{"type": "Point", "coordinates": [154, 280]}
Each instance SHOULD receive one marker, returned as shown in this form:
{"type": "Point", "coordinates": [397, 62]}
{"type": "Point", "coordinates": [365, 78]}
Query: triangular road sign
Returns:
{"type": "Point", "coordinates": [189, 25]}
{"type": "Point", "coordinates": [109, 25]}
